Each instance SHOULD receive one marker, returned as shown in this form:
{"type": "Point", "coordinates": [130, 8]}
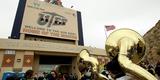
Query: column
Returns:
{"type": "Point", "coordinates": [18, 62]}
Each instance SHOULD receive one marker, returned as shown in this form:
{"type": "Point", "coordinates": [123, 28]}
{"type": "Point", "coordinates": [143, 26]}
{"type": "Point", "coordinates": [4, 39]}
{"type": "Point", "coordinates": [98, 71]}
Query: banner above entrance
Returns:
{"type": "Point", "coordinates": [44, 19]}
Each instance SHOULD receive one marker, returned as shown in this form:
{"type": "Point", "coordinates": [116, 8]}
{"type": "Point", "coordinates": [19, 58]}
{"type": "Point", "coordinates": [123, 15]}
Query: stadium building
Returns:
{"type": "Point", "coordinates": [45, 37]}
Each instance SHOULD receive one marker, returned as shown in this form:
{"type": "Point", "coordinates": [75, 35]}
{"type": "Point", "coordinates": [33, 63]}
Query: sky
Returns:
{"type": "Point", "coordinates": [139, 15]}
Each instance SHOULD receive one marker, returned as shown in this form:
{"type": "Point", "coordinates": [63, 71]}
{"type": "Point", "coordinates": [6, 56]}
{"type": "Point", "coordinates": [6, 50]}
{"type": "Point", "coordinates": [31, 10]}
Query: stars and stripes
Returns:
{"type": "Point", "coordinates": [109, 27]}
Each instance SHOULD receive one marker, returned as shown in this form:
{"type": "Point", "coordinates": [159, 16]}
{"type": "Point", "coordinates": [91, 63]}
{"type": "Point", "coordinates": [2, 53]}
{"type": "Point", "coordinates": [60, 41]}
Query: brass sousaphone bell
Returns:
{"type": "Point", "coordinates": [129, 47]}
{"type": "Point", "coordinates": [88, 66]}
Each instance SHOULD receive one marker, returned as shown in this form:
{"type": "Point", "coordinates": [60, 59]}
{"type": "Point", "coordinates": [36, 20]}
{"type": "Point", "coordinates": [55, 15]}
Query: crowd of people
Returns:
{"type": "Point", "coordinates": [154, 70]}
{"type": "Point", "coordinates": [53, 75]}
{"type": "Point", "coordinates": [113, 71]}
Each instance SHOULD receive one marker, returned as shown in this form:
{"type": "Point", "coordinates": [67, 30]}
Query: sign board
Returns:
{"type": "Point", "coordinates": [45, 19]}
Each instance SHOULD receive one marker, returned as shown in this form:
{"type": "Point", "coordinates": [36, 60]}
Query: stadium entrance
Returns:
{"type": "Point", "coordinates": [60, 63]}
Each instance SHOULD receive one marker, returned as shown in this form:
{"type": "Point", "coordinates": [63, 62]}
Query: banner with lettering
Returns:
{"type": "Point", "coordinates": [45, 19]}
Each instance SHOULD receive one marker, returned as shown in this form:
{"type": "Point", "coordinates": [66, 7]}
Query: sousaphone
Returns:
{"type": "Point", "coordinates": [129, 48]}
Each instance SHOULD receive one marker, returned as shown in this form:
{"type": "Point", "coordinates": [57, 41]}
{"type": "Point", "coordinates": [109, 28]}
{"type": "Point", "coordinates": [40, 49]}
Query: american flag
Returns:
{"type": "Point", "coordinates": [109, 27]}
{"type": "Point", "coordinates": [71, 6]}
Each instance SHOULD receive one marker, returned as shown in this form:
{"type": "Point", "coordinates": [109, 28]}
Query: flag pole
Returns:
{"type": "Point", "coordinates": [105, 31]}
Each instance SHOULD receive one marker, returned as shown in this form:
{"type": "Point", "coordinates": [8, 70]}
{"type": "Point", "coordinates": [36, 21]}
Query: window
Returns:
{"type": "Point", "coordinates": [10, 51]}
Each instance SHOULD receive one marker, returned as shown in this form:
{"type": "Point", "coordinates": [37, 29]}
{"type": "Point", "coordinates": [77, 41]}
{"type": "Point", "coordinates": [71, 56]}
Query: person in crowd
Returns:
{"type": "Point", "coordinates": [114, 69]}
{"type": "Point", "coordinates": [36, 76]}
{"type": "Point", "coordinates": [28, 75]}
{"type": "Point", "coordinates": [87, 74]}
{"type": "Point", "coordinates": [10, 78]}
{"type": "Point", "coordinates": [71, 77]}
{"type": "Point", "coordinates": [106, 73]}
{"type": "Point", "coordinates": [151, 69]}
{"type": "Point", "coordinates": [52, 76]}
{"type": "Point", "coordinates": [157, 69]}
{"type": "Point", "coordinates": [60, 76]}
{"type": "Point", "coordinates": [41, 76]}
{"type": "Point", "coordinates": [143, 65]}
{"type": "Point", "coordinates": [66, 76]}
{"type": "Point", "coordinates": [75, 77]}
{"type": "Point", "coordinates": [45, 75]}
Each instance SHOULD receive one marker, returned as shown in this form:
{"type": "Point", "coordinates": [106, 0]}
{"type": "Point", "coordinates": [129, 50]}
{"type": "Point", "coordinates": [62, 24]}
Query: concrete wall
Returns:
{"type": "Point", "coordinates": [47, 47]}
{"type": "Point", "coordinates": [25, 49]}
{"type": "Point", "coordinates": [1, 58]}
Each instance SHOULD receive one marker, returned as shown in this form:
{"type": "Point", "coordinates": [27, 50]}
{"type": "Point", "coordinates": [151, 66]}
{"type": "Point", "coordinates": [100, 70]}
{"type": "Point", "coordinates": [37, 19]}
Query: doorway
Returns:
{"type": "Point", "coordinates": [62, 64]}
